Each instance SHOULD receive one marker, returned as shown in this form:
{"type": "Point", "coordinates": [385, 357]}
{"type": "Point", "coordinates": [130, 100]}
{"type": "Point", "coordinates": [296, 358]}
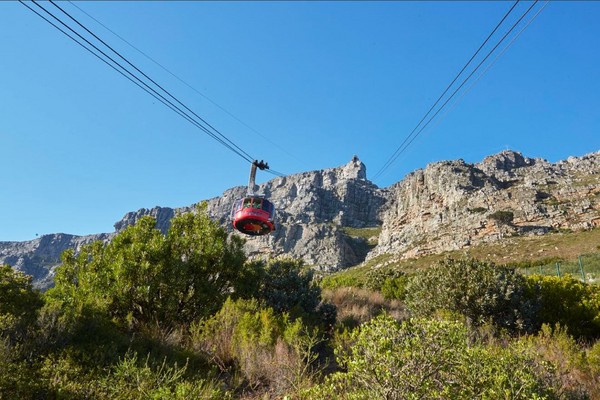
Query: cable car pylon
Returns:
{"type": "Point", "coordinates": [254, 215]}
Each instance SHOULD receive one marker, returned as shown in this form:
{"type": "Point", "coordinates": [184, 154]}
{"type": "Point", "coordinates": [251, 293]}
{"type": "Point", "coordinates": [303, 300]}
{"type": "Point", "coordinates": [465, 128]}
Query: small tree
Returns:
{"type": "Point", "coordinates": [143, 276]}
{"type": "Point", "coordinates": [19, 303]}
{"type": "Point", "coordinates": [288, 287]}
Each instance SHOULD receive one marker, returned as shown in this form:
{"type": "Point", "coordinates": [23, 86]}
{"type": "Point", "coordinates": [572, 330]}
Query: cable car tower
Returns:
{"type": "Point", "coordinates": [254, 215]}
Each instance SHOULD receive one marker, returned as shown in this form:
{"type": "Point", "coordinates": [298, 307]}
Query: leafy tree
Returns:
{"type": "Point", "coordinates": [19, 303]}
{"type": "Point", "coordinates": [480, 291]}
{"type": "Point", "coordinates": [287, 287]}
{"type": "Point", "coordinates": [17, 296]}
{"type": "Point", "coordinates": [143, 276]}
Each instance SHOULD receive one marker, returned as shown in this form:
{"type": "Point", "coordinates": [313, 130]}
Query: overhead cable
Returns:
{"type": "Point", "coordinates": [468, 89]}
{"type": "Point", "coordinates": [184, 82]}
{"type": "Point", "coordinates": [188, 115]}
{"type": "Point", "coordinates": [390, 160]}
{"type": "Point", "coordinates": [150, 79]}
{"type": "Point", "coordinates": [412, 136]}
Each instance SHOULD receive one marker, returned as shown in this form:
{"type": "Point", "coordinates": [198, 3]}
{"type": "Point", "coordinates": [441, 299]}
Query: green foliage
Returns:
{"type": "Point", "coordinates": [418, 359]}
{"type": "Point", "coordinates": [571, 372]}
{"type": "Point", "coordinates": [593, 357]}
{"type": "Point", "coordinates": [505, 217]}
{"type": "Point", "coordinates": [395, 288]}
{"type": "Point", "coordinates": [144, 277]}
{"type": "Point", "coordinates": [17, 296]}
{"type": "Point", "coordinates": [480, 291]}
{"type": "Point", "coordinates": [287, 287]}
{"type": "Point", "coordinates": [569, 302]}
{"type": "Point", "coordinates": [340, 280]}
{"type": "Point", "coordinates": [19, 304]}
{"type": "Point", "coordinates": [129, 378]}
{"type": "Point", "coordinates": [389, 281]}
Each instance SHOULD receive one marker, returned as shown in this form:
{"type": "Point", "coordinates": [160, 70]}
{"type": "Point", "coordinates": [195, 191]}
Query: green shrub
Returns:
{"type": "Point", "coordinates": [337, 281]}
{"type": "Point", "coordinates": [418, 358]}
{"type": "Point", "coordinates": [288, 287]}
{"type": "Point", "coordinates": [395, 288]}
{"type": "Point", "coordinates": [505, 217]}
{"type": "Point", "coordinates": [568, 368]}
{"type": "Point", "coordinates": [567, 301]}
{"type": "Point", "coordinates": [480, 291]}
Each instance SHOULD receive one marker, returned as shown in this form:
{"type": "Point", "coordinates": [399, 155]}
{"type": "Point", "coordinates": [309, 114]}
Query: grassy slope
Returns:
{"type": "Point", "coordinates": [518, 251]}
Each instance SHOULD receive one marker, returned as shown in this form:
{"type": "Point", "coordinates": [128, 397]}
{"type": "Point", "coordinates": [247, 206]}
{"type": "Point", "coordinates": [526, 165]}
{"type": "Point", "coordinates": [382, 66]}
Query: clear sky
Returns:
{"type": "Point", "coordinates": [313, 83]}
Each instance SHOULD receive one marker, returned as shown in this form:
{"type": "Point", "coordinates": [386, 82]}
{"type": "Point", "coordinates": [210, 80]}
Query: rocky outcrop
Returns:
{"type": "Point", "coordinates": [39, 257]}
{"type": "Point", "coordinates": [451, 205]}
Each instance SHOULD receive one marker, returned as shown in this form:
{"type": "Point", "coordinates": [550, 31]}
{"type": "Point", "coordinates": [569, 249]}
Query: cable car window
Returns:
{"type": "Point", "coordinates": [248, 202]}
{"type": "Point", "coordinates": [236, 207]}
{"type": "Point", "coordinates": [267, 206]}
{"type": "Point", "coordinates": [257, 203]}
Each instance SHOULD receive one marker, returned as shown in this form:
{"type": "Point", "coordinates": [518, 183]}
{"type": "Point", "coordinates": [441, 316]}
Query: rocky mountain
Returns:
{"type": "Point", "coordinates": [322, 216]}
{"type": "Point", "coordinates": [451, 205]}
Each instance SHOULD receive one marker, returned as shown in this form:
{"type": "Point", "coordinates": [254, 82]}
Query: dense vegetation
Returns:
{"type": "Point", "coordinates": [186, 315]}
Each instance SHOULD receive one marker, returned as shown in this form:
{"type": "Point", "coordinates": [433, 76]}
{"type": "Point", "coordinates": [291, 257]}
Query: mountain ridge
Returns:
{"type": "Point", "coordinates": [447, 205]}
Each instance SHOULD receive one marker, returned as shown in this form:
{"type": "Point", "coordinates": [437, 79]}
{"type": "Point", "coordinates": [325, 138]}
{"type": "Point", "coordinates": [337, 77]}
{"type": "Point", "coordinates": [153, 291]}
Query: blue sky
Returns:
{"type": "Point", "coordinates": [312, 82]}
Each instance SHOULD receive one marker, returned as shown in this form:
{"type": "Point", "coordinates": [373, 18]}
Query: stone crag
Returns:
{"type": "Point", "coordinates": [448, 205]}
{"type": "Point", "coordinates": [451, 205]}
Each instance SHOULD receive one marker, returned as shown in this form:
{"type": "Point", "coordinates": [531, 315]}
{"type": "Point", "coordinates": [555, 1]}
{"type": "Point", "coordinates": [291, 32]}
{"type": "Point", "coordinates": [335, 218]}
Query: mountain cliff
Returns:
{"type": "Point", "coordinates": [451, 205]}
{"type": "Point", "coordinates": [448, 205]}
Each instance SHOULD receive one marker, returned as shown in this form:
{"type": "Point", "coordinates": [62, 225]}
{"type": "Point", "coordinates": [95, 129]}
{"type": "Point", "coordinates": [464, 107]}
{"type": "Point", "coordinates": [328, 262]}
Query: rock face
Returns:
{"type": "Point", "coordinates": [449, 205]}
{"type": "Point", "coordinates": [41, 256]}
{"type": "Point", "coordinates": [312, 210]}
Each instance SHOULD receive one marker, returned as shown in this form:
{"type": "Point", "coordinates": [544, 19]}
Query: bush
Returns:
{"type": "Point", "coordinates": [419, 358]}
{"type": "Point", "coordinates": [567, 301]}
{"type": "Point", "coordinates": [265, 347]}
{"type": "Point", "coordinates": [19, 304]}
{"type": "Point", "coordinates": [288, 287]}
{"type": "Point", "coordinates": [570, 370]}
{"type": "Point", "coordinates": [504, 217]}
{"type": "Point", "coordinates": [480, 291]}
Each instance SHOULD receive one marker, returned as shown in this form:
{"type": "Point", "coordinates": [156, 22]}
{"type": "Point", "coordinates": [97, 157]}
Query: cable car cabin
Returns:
{"type": "Point", "coordinates": [253, 216]}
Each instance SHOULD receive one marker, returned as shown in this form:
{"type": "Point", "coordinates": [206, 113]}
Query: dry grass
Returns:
{"type": "Point", "coordinates": [355, 305]}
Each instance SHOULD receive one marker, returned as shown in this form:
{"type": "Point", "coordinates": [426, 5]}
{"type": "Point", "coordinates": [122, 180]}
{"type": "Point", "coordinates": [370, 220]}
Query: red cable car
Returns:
{"type": "Point", "coordinates": [253, 215]}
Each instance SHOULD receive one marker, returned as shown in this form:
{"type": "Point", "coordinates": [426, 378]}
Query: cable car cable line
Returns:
{"type": "Point", "coordinates": [384, 167]}
{"type": "Point", "coordinates": [467, 90]}
{"type": "Point", "coordinates": [140, 83]}
{"type": "Point", "coordinates": [184, 82]}
{"type": "Point", "coordinates": [406, 143]}
{"type": "Point", "coordinates": [150, 79]}
{"type": "Point", "coordinates": [122, 73]}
